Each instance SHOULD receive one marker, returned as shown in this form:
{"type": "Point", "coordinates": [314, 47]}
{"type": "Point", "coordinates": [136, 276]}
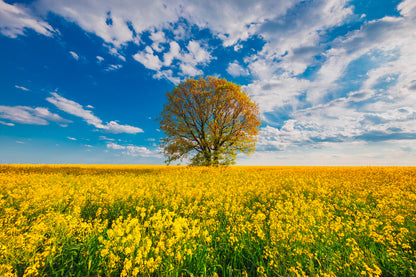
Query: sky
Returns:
{"type": "Point", "coordinates": [83, 82]}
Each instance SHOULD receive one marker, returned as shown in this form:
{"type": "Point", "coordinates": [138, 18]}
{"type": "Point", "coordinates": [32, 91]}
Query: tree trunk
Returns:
{"type": "Point", "coordinates": [215, 161]}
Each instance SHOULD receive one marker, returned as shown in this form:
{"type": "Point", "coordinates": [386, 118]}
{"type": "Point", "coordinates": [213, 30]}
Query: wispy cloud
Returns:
{"type": "Point", "coordinates": [28, 115]}
{"type": "Point", "coordinates": [21, 88]}
{"type": "Point", "coordinates": [132, 150]}
{"type": "Point", "coordinates": [74, 55]}
{"type": "Point", "coordinates": [15, 19]}
{"type": "Point", "coordinates": [113, 67]}
{"type": "Point", "coordinates": [106, 138]}
{"type": "Point", "coordinates": [6, 123]}
{"type": "Point", "coordinates": [71, 138]}
{"type": "Point", "coordinates": [78, 110]}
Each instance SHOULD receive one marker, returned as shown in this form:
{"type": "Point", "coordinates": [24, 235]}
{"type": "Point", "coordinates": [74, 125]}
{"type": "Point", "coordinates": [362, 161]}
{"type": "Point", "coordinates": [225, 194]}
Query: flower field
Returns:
{"type": "Point", "coordinates": [196, 221]}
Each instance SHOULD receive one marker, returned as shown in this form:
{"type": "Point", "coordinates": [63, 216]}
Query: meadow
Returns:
{"type": "Point", "coordinates": [58, 220]}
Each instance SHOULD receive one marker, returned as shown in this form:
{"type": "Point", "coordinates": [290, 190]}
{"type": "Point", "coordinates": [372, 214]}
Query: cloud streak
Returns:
{"type": "Point", "coordinates": [21, 88]}
{"type": "Point", "coordinates": [78, 110]}
{"type": "Point", "coordinates": [15, 20]}
{"type": "Point", "coordinates": [28, 115]}
{"type": "Point", "coordinates": [132, 150]}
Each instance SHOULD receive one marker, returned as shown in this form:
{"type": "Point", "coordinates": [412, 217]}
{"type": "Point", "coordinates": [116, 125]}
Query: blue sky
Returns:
{"type": "Point", "coordinates": [84, 81]}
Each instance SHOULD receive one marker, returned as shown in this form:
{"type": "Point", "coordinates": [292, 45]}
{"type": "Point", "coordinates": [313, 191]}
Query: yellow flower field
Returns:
{"type": "Point", "coordinates": [195, 221]}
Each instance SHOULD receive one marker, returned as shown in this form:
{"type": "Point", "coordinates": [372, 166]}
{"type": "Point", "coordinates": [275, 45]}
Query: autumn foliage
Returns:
{"type": "Point", "coordinates": [208, 120]}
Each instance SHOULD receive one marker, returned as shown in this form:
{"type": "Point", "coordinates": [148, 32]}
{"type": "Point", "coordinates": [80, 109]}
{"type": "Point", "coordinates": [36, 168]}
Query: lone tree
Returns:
{"type": "Point", "coordinates": [208, 120]}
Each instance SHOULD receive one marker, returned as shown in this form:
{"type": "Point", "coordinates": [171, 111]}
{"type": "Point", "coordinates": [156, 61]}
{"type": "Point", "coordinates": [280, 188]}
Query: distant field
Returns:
{"type": "Point", "coordinates": [234, 221]}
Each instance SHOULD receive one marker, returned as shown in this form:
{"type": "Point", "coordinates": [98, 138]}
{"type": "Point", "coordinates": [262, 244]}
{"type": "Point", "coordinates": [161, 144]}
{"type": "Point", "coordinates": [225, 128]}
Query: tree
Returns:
{"type": "Point", "coordinates": [208, 120]}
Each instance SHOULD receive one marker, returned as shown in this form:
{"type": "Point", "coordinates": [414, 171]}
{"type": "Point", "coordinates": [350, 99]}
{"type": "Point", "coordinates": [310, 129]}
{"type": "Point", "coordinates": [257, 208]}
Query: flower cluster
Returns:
{"type": "Point", "coordinates": [239, 221]}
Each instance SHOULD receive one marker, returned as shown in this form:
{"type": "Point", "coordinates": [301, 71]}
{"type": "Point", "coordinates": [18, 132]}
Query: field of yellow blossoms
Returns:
{"type": "Point", "coordinates": [195, 221]}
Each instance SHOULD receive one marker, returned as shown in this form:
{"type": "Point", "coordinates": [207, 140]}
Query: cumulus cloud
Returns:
{"type": "Point", "coordinates": [15, 19]}
{"type": "Point", "coordinates": [28, 115]}
{"type": "Point", "coordinates": [301, 75]}
{"type": "Point", "coordinates": [190, 70]}
{"type": "Point", "coordinates": [329, 106]}
{"type": "Point", "coordinates": [131, 150]}
{"type": "Point", "coordinates": [135, 17]}
{"type": "Point", "coordinates": [235, 69]}
{"type": "Point", "coordinates": [174, 52]}
{"type": "Point", "coordinates": [158, 38]}
{"type": "Point", "coordinates": [148, 59]}
{"type": "Point", "coordinates": [78, 110]}
{"type": "Point", "coordinates": [187, 60]}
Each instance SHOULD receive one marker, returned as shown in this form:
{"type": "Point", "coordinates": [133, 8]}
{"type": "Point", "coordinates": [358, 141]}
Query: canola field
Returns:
{"type": "Point", "coordinates": [196, 221]}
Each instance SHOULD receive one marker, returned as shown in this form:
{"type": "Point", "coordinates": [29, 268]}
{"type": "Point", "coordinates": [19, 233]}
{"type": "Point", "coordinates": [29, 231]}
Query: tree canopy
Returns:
{"type": "Point", "coordinates": [208, 120]}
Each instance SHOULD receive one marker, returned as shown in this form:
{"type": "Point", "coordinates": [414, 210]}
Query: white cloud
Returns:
{"type": "Point", "coordinates": [74, 55]}
{"type": "Point", "coordinates": [246, 16]}
{"type": "Point", "coordinates": [408, 8]}
{"type": "Point", "coordinates": [6, 123]}
{"type": "Point", "coordinates": [297, 36]}
{"type": "Point", "coordinates": [158, 38]}
{"type": "Point", "coordinates": [148, 15]}
{"type": "Point", "coordinates": [235, 69]}
{"type": "Point", "coordinates": [132, 150]}
{"type": "Point", "coordinates": [174, 52]}
{"type": "Point", "coordinates": [167, 74]}
{"type": "Point", "coordinates": [188, 59]}
{"type": "Point", "coordinates": [309, 112]}
{"type": "Point", "coordinates": [147, 58]}
{"type": "Point", "coordinates": [190, 70]}
{"type": "Point", "coordinates": [197, 54]}
{"type": "Point", "coordinates": [76, 109]}
{"type": "Point", "coordinates": [105, 138]}
{"type": "Point", "coordinates": [391, 153]}
{"type": "Point", "coordinates": [21, 88]}
{"type": "Point", "coordinates": [99, 59]}
{"type": "Point", "coordinates": [46, 114]}
{"type": "Point", "coordinates": [277, 92]}
{"type": "Point", "coordinates": [115, 146]}
{"type": "Point", "coordinates": [115, 52]}
{"type": "Point", "coordinates": [15, 19]}
{"type": "Point", "coordinates": [28, 115]}
{"type": "Point", "coordinates": [113, 67]}
{"type": "Point", "coordinates": [115, 128]}
{"type": "Point", "coordinates": [71, 138]}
